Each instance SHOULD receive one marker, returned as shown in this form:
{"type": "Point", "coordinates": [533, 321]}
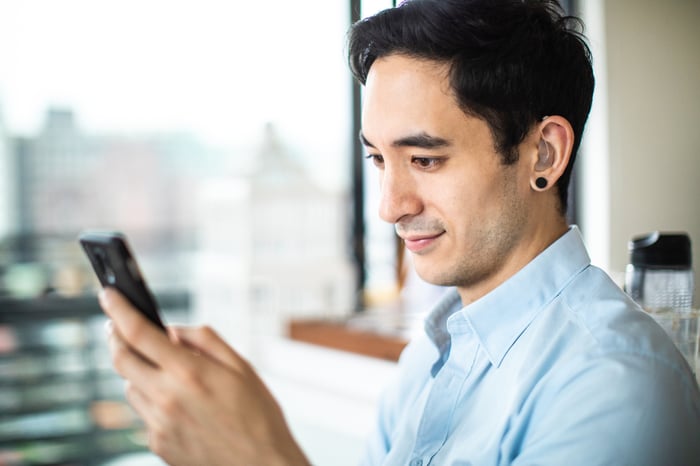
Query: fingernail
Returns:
{"type": "Point", "coordinates": [108, 327]}
{"type": "Point", "coordinates": [103, 298]}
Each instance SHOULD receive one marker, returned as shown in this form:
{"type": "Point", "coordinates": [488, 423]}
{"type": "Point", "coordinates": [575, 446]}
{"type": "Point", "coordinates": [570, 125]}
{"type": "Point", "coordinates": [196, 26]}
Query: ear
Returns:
{"type": "Point", "coordinates": [555, 142]}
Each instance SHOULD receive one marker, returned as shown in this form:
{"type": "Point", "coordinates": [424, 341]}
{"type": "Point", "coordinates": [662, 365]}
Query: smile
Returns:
{"type": "Point", "coordinates": [420, 243]}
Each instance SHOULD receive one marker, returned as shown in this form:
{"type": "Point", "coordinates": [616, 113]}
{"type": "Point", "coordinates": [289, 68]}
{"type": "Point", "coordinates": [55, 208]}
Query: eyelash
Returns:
{"type": "Point", "coordinates": [424, 163]}
{"type": "Point", "coordinates": [377, 160]}
{"type": "Point", "coordinates": [427, 163]}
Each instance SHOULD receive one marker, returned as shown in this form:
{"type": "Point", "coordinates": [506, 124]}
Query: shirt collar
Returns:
{"type": "Point", "coordinates": [436, 322]}
{"type": "Point", "coordinates": [498, 318]}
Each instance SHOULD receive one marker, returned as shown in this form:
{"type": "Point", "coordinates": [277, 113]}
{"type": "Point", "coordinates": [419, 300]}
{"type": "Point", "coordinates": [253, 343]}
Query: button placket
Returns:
{"type": "Point", "coordinates": [434, 425]}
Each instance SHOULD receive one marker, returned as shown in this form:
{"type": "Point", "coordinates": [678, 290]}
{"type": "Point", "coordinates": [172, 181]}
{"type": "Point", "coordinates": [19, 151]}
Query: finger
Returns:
{"type": "Point", "coordinates": [140, 403]}
{"type": "Point", "coordinates": [137, 331]}
{"type": "Point", "coordinates": [148, 389]}
{"type": "Point", "coordinates": [128, 363]}
{"type": "Point", "coordinates": [205, 340]}
{"type": "Point", "coordinates": [148, 412]}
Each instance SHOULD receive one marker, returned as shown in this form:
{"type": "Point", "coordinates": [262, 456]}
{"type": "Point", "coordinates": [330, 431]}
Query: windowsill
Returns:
{"type": "Point", "coordinates": [380, 335]}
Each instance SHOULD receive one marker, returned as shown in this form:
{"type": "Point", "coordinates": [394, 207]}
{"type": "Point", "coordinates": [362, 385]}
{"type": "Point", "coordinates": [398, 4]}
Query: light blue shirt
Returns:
{"type": "Point", "coordinates": [557, 366]}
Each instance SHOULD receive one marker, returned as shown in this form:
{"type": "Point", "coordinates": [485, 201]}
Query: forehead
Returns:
{"type": "Point", "coordinates": [404, 78]}
{"type": "Point", "coordinates": [409, 95]}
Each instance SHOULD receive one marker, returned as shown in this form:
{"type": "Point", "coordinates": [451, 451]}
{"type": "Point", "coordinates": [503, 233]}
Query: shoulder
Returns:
{"type": "Point", "coordinates": [602, 328]}
{"type": "Point", "coordinates": [619, 389]}
{"type": "Point", "coordinates": [615, 325]}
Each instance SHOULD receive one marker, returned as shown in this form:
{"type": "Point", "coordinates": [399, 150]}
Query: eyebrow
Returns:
{"type": "Point", "coordinates": [421, 140]}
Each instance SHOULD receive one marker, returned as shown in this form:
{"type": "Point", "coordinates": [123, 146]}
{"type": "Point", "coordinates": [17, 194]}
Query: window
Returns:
{"type": "Point", "coordinates": [191, 126]}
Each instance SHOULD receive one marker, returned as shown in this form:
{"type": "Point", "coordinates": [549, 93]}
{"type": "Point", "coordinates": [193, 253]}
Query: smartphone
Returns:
{"type": "Point", "coordinates": [115, 265]}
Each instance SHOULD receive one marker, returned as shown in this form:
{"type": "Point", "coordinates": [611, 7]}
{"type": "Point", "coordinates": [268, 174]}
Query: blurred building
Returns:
{"type": "Point", "coordinates": [271, 245]}
{"type": "Point", "coordinates": [7, 181]}
{"type": "Point", "coordinates": [252, 235]}
{"type": "Point", "coordinates": [69, 180]}
{"type": "Point", "coordinates": [63, 180]}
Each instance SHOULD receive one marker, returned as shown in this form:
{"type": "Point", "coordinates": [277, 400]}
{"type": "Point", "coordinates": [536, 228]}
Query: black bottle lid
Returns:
{"type": "Point", "coordinates": [661, 250]}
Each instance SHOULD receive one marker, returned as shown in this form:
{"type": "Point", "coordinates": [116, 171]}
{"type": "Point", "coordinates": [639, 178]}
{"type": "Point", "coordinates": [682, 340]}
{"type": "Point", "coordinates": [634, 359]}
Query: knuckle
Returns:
{"type": "Point", "coordinates": [192, 380]}
{"type": "Point", "coordinates": [207, 331]}
{"type": "Point", "coordinates": [169, 404]}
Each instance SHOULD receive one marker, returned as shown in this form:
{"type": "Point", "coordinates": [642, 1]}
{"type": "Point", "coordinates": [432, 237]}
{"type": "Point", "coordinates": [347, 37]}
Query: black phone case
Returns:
{"type": "Point", "coordinates": [115, 265]}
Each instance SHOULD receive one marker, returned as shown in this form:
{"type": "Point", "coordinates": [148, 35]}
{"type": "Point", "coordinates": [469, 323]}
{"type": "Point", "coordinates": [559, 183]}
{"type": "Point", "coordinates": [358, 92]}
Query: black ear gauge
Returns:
{"type": "Point", "coordinates": [541, 182]}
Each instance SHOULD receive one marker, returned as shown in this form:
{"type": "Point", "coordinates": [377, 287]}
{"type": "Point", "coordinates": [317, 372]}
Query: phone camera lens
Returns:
{"type": "Point", "coordinates": [103, 265]}
{"type": "Point", "coordinates": [109, 275]}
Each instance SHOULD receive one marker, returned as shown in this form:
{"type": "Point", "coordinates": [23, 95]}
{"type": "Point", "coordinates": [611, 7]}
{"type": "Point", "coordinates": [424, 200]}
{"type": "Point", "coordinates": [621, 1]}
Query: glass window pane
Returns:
{"type": "Point", "coordinates": [199, 128]}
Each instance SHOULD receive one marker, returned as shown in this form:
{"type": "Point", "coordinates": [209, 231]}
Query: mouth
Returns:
{"type": "Point", "coordinates": [419, 243]}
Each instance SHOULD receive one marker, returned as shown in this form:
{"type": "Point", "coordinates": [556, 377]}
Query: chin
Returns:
{"type": "Point", "coordinates": [434, 277]}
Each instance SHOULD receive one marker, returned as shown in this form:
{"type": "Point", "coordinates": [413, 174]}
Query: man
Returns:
{"type": "Point", "coordinates": [473, 113]}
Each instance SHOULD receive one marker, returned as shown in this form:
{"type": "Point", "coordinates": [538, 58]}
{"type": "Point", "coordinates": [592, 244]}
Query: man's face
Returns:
{"type": "Point", "coordinates": [460, 211]}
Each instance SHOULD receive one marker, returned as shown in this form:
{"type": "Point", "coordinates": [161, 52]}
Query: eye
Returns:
{"type": "Point", "coordinates": [377, 160]}
{"type": "Point", "coordinates": [427, 163]}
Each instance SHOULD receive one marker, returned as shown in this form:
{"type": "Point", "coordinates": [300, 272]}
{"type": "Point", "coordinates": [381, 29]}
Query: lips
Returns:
{"type": "Point", "coordinates": [420, 243]}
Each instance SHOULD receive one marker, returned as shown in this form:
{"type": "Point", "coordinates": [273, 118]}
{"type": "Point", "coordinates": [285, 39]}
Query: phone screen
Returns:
{"type": "Point", "coordinates": [115, 265]}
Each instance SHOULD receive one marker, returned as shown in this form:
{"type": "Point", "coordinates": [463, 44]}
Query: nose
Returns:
{"type": "Point", "coordinates": [398, 195]}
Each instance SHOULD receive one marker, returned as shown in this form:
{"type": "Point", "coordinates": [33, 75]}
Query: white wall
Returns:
{"type": "Point", "coordinates": [329, 397]}
{"type": "Point", "coordinates": [649, 82]}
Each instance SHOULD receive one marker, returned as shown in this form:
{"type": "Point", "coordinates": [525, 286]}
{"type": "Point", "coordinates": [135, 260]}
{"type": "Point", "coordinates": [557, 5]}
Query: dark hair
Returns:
{"type": "Point", "coordinates": [513, 62]}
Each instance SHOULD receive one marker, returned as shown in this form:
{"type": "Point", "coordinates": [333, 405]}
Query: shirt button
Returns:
{"type": "Point", "coordinates": [416, 462]}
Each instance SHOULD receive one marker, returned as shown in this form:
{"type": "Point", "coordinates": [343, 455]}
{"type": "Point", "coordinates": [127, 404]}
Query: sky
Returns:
{"type": "Point", "coordinates": [218, 68]}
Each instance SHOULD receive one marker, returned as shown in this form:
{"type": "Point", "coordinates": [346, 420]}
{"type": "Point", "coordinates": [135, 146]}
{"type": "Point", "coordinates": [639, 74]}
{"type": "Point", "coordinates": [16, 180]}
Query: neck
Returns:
{"type": "Point", "coordinates": [535, 239]}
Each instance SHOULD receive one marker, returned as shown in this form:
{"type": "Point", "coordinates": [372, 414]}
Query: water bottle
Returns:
{"type": "Point", "coordinates": [659, 275]}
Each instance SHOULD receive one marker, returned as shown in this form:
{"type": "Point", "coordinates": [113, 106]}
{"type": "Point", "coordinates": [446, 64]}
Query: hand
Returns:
{"type": "Point", "coordinates": [201, 402]}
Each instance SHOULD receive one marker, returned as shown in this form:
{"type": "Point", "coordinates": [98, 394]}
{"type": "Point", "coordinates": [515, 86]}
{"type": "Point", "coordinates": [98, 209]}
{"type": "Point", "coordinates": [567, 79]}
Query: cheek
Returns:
{"type": "Point", "coordinates": [472, 204]}
{"type": "Point", "coordinates": [462, 197]}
